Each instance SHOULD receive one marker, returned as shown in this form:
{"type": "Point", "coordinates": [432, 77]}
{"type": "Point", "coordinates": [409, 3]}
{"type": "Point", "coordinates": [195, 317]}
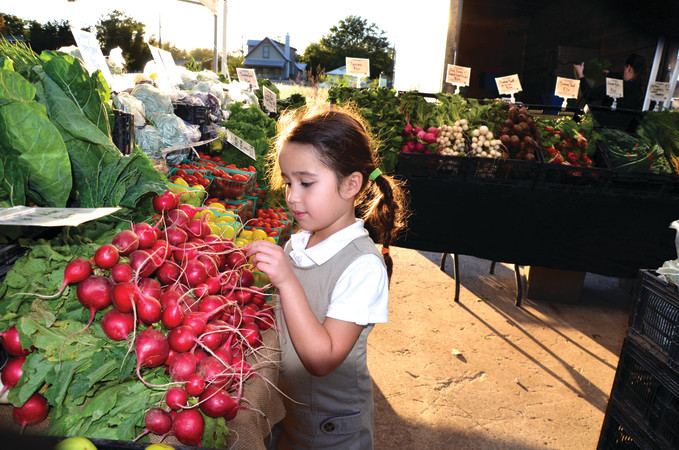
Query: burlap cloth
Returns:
{"type": "Point", "coordinates": [250, 426]}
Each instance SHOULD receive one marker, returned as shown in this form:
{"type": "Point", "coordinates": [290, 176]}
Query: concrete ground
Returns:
{"type": "Point", "coordinates": [484, 373]}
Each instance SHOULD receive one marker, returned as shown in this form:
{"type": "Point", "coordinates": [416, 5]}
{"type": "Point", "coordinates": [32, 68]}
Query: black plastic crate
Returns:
{"type": "Point", "coordinates": [642, 184]}
{"type": "Point", "coordinates": [193, 114]}
{"type": "Point", "coordinates": [429, 165]}
{"type": "Point", "coordinates": [566, 177]}
{"type": "Point", "coordinates": [647, 390]}
{"type": "Point", "coordinates": [655, 317]}
{"type": "Point", "coordinates": [123, 131]}
{"type": "Point", "coordinates": [621, 432]}
{"type": "Point", "coordinates": [621, 119]}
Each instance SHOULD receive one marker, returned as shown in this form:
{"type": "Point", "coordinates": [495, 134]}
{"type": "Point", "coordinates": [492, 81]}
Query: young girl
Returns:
{"type": "Point", "coordinates": [331, 280]}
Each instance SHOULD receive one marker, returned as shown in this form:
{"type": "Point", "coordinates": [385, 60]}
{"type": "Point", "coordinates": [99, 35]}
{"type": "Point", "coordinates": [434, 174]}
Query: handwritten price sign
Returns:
{"type": "Point", "coordinates": [567, 87]}
{"type": "Point", "coordinates": [359, 67]}
{"type": "Point", "coordinates": [508, 85]}
{"type": "Point", "coordinates": [240, 144]}
{"type": "Point", "coordinates": [458, 75]}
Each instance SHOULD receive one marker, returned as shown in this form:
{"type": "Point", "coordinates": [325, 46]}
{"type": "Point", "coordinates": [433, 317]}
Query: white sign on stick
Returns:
{"type": "Point", "coordinates": [508, 85]}
{"type": "Point", "coordinates": [269, 99]}
{"type": "Point", "coordinates": [458, 75]}
{"type": "Point", "coordinates": [567, 87]}
{"type": "Point", "coordinates": [359, 67]}
{"type": "Point", "coordinates": [240, 144]}
{"type": "Point", "coordinates": [51, 217]}
{"type": "Point", "coordinates": [614, 88]}
{"type": "Point", "coordinates": [247, 76]}
{"type": "Point", "coordinates": [91, 53]}
{"type": "Point", "coordinates": [659, 90]}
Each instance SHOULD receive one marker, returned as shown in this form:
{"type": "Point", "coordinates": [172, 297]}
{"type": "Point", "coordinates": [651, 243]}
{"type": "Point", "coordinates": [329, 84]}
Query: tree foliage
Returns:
{"type": "Point", "coordinates": [352, 37]}
{"type": "Point", "coordinates": [120, 30]}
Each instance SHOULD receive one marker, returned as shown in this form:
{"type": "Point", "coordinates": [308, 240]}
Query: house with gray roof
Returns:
{"type": "Point", "coordinates": [274, 60]}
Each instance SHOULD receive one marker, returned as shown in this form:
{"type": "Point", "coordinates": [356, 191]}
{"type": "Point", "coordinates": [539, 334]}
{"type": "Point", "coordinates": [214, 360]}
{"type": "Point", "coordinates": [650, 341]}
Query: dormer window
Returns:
{"type": "Point", "coordinates": [265, 51]}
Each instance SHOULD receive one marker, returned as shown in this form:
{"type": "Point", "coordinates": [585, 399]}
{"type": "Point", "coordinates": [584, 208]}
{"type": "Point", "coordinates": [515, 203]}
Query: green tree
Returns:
{"type": "Point", "coordinates": [234, 61]}
{"type": "Point", "coordinates": [50, 36]}
{"type": "Point", "coordinates": [203, 57]}
{"type": "Point", "coordinates": [120, 30]}
{"type": "Point", "coordinates": [352, 37]}
{"type": "Point", "coordinates": [11, 25]}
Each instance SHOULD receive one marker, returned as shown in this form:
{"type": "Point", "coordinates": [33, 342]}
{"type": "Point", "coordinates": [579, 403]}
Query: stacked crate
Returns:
{"type": "Point", "coordinates": [643, 410]}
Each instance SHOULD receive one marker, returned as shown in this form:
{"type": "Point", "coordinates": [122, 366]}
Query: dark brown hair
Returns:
{"type": "Point", "coordinates": [342, 142]}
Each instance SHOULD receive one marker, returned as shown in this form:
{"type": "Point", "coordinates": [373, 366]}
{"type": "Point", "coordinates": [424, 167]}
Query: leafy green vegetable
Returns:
{"type": "Point", "coordinates": [33, 143]}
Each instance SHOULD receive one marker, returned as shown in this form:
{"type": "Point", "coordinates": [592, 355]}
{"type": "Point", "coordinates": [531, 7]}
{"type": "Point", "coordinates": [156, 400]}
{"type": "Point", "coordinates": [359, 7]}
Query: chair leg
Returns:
{"type": "Point", "coordinates": [456, 262]}
{"type": "Point", "coordinates": [492, 267]}
{"type": "Point", "coordinates": [442, 266]}
{"type": "Point", "coordinates": [519, 284]}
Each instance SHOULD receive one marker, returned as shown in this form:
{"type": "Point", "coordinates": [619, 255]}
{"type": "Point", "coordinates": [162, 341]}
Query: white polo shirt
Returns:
{"type": "Point", "coordinates": [361, 294]}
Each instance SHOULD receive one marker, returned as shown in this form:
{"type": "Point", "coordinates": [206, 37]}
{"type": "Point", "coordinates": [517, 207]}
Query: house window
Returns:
{"type": "Point", "coordinates": [265, 51]}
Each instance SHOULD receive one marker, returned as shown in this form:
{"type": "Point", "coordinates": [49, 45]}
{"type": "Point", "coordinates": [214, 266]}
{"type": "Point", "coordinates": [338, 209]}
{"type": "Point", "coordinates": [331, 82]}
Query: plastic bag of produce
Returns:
{"type": "Point", "coordinates": [174, 131]}
{"type": "Point", "coordinates": [154, 99]}
{"type": "Point", "coordinates": [669, 271]}
{"type": "Point", "coordinates": [126, 102]}
{"type": "Point", "coordinates": [149, 140]}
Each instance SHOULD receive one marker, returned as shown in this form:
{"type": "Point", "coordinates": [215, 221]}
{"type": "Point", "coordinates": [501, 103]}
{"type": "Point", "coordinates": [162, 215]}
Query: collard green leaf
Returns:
{"type": "Point", "coordinates": [33, 142]}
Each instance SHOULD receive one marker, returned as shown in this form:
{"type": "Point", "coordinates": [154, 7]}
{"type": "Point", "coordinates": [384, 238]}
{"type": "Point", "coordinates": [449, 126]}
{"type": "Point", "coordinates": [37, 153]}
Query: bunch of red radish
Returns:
{"type": "Point", "coordinates": [185, 299]}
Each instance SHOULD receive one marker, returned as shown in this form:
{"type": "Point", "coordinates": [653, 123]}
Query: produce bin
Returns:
{"type": "Point", "coordinates": [620, 431]}
{"type": "Point", "coordinates": [122, 133]}
{"type": "Point", "coordinates": [195, 115]}
{"type": "Point", "coordinates": [655, 318]}
{"type": "Point", "coordinates": [646, 390]}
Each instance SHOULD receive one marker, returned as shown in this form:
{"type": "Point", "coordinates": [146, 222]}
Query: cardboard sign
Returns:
{"type": "Point", "coordinates": [614, 88]}
{"type": "Point", "coordinates": [269, 99]}
{"type": "Point", "coordinates": [91, 53]}
{"type": "Point", "coordinates": [164, 68]}
{"type": "Point", "coordinates": [211, 5]}
{"type": "Point", "coordinates": [508, 85]}
{"type": "Point", "coordinates": [359, 67]}
{"type": "Point", "coordinates": [240, 144]}
{"type": "Point", "coordinates": [567, 87]}
{"type": "Point", "coordinates": [658, 90]}
{"type": "Point", "coordinates": [51, 217]}
{"type": "Point", "coordinates": [458, 75]}
{"type": "Point", "coordinates": [247, 76]}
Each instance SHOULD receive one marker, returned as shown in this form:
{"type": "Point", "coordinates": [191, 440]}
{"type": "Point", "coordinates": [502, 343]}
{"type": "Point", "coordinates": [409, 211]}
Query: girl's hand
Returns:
{"type": "Point", "coordinates": [270, 258]}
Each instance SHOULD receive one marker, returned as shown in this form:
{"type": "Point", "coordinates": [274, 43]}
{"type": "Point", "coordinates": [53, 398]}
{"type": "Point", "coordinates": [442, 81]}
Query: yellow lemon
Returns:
{"type": "Point", "coordinates": [181, 182]}
{"type": "Point", "coordinates": [159, 446]}
{"type": "Point", "coordinates": [198, 186]}
{"type": "Point", "coordinates": [272, 240]}
{"type": "Point", "coordinates": [225, 218]}
{"type": "Point", "coordinates": [258, 235]}
{"type": "Point", "coordinates": [227, 232]}
{"type": "Point", "coordinates": [75, 443]}
{"type": "Point", "coordinates": [241, 242]}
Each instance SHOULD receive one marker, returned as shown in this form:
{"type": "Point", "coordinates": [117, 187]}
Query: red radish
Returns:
{"type": "Point", "coordinates": [183, 366]}
{"type": "Point", "coordinates": [122, 272]}
{"type": "Point", "coordinates": [76, 271]}
{"type": "Point", "coordinates": [197, 228]}
{"type": "Point", "coordinates": [188, 427]}
{"type": "Point", "coordinates": [165, 202]}
{"type": "Point", "coordinates": [177, 218]}
{"type": "Point", "coordinates": [195, 384]}
{"type": "Point", "coordinates": [176, 235]}
{"type": "Point", "coordinates": [242, 296]}
{"type": "Point", "coordinates": [247, 278]}
{"type": "Point", "coordinates": [224, 353]}
{"type": "Point", "coordinates": [124, 296]}
{"type": "Point", "coordinates": [126, 241]}
{"type": "Point", "coordinates": [168, 297]}
{"type": "Point", "coordinates": [150, 287]}
{"type": "Point", "coordinates": [216, 402]}
{"type": "Point", "coordinates": [189, 210]}
{"type": "Point", "coordinates": [32, 412]}
{"type": "Point", "coordinates": [172, 316]}
{"type": "Point", "coordinates": [117, 325]}
{"type": "Point", "coordinates": [182, 338]}
{"type": "Point", "coordinates": [265, 317]}
{"type": "Point", "coordinates": [235, 259]}
{"type": "Point", "coordinates": [160, 251]}
{"type": "Point", "coordinates": [12, 344]}
{"type": "Point", "coordinates": [142, 263]}
{"type": "Point", "coordinates": [157, 421]}
{"type": "Point", "coordinates": [210, 303]}
{"type": "Point", "coordinates": [196, 321]}
{"type": "Point", "coordinates": [215, 372]}
{"type": "Point", "coordinates": [11, 373]}
{"type": "Point", "coordinates": [170, 356]}
{"type": "Point", "coordinates": [146, 233]}
{"type": "Point", "coordinates": [212, 337]}
{"type": "Point", "coordinates": [200, 355]}
{"type": "Point", "coordinates": [258, 297]}
{"type": "Point", "coordinates": [210, 263]}
{"type": "Point", "coordinates": [168, 272]}
{"type": "Point", "coordinates": [249, 312]}
{"type": "Point", "coordinates": [106, 256]}
{"type": "Point", "coordinates": [176, 398]}
{"type": "Point", "coordinates": [151, 347]}
{"type": "Point", "coordinates": [95, 293]}
{"type": "Point", "coordinates": [250, 332]}
{"type": "Point", "coordinates": [185, 252]}
{"type": "Point", "coordinates": [194, 273]}
{"type": "Point", "coordinates": [148, 309]}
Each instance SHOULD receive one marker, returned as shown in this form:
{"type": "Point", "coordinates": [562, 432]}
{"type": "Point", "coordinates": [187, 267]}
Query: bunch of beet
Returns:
{"type": "Point", "coordinates": [184, 299]}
